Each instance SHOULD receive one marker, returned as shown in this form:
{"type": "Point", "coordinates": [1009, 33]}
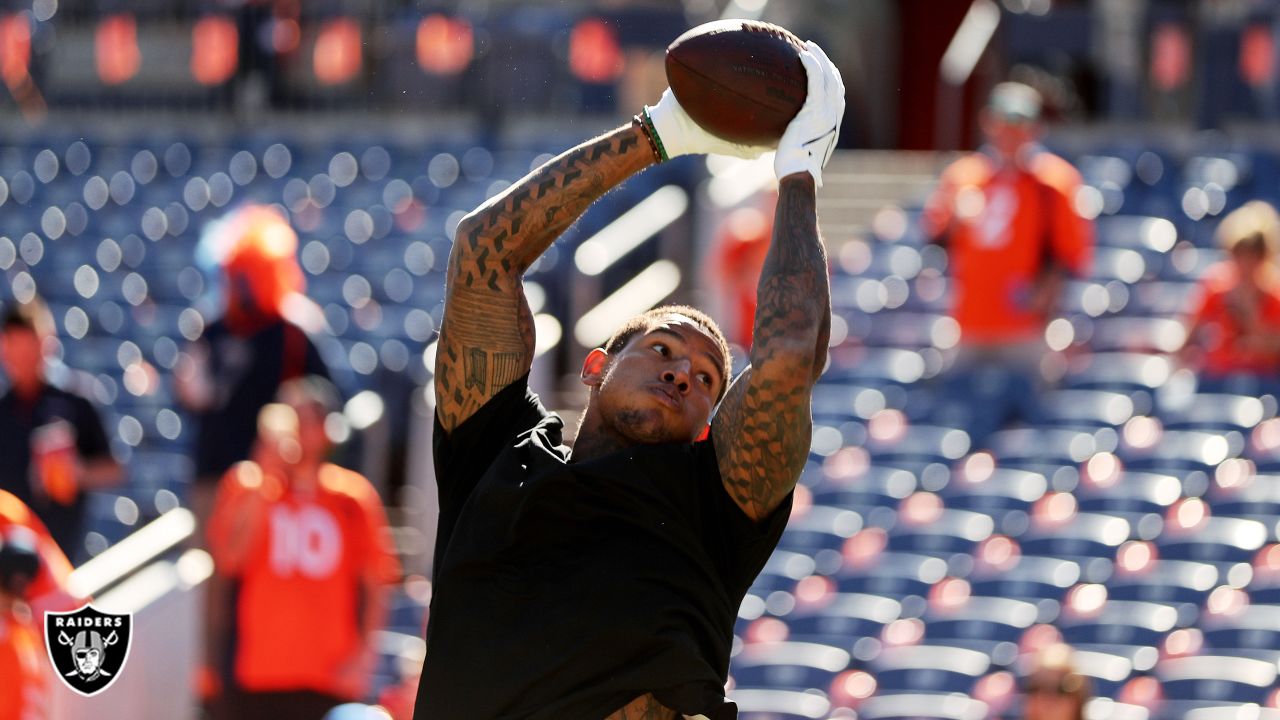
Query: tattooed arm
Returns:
{"type": "Point", "coordinates": [645, 707]}
{"type": "Point", "coordinates": [762, 429]}
{"type": "Point", "coordinates": [486, 337]}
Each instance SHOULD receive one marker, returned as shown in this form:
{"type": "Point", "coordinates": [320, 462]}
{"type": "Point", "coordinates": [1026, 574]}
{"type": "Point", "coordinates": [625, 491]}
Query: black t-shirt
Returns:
{"type": "Point", "coordinates": [566, 590]}
{"type": "Point", "coordinates": [19, 418]}
{"type": "Point", "coordinates": [247, 371]}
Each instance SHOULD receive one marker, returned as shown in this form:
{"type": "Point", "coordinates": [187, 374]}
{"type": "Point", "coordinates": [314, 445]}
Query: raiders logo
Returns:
{"type": "Point", "coordinates": [88, 647]}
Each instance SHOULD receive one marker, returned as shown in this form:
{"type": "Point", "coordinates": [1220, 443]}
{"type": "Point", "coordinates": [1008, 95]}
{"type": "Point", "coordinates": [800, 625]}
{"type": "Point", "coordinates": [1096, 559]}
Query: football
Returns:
{"type": "Point", "coordinates": [740, 80]}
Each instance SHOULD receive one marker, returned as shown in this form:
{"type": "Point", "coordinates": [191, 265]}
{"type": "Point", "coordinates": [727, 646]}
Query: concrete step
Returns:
{"type": "Point", "coordinates": [859, 183]}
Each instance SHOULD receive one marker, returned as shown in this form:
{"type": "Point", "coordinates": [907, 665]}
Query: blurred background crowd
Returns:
{"type": "Point", "coordinates": [1045, 470]}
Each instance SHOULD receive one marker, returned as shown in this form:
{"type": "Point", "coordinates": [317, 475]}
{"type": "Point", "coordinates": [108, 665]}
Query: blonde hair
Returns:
{"type": "Point", "coordinates": [1256, 222]}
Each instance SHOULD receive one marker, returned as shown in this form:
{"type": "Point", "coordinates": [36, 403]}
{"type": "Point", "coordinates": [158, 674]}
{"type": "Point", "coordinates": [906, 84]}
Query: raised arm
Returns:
{"type": "Point", "coordinates": [762, 428]}
{"type": "Point", "coordinates": [486, 336]}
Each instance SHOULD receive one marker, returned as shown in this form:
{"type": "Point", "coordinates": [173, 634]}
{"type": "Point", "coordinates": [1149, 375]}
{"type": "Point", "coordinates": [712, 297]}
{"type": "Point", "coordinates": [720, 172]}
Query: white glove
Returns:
{"type": "Point", "coordinates": [677, 134]}
{"type": "Point", "coordinates": [811, 137]}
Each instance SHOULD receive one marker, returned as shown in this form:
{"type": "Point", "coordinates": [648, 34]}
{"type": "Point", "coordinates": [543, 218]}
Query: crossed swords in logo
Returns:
{"type": "Point", "coordinates": [110, 640]}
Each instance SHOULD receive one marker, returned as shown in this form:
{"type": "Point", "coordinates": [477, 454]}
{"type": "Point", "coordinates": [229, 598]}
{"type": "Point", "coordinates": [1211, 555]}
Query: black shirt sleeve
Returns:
{"type": "Point", "coordinates": [738, 543]}
{"type": "Point", "coordinates": [461, 457]}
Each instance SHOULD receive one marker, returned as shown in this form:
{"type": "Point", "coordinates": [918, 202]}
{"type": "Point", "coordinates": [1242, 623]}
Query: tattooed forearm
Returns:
{"type": "Point", "coordinates": [487, 334]}
{"type": "Point", "coordinates": [511, 230]}
{"type": "Point", "coordinates": [644, 708]}
{"type": "Point", "coordinates": [794, 295]}
{"type": "Point", "coordinates": [762, 430]}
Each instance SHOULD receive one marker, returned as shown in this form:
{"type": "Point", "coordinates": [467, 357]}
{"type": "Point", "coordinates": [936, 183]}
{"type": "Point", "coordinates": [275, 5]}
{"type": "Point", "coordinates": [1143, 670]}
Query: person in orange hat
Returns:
{"type": "Point", "coordinates": [266, 336]}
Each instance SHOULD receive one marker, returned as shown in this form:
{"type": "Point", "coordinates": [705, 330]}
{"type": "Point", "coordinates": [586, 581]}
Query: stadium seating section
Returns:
{"type": "Point", "coordinates": [1136, 519]}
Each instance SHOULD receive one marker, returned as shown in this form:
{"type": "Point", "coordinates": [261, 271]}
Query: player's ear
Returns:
{"type": "Point", "coordinates": [593, 367]}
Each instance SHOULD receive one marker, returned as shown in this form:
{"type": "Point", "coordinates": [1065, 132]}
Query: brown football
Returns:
{"type": "Point", "coordinates": [739, 79]}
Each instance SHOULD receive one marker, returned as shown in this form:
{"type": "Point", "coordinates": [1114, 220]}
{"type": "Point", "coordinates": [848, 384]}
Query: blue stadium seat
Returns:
{"type": "Point", "coordinates": [893, 574]}
{"type": "Point", "coordinates": [1085, 535]}
{"type": "Point", "coordinates": [923, 706]}
{"type": "Point", "coordinates": [1035, 579]}
{"type": "Point", "coordinates": [820, 527]}
{"type": "Point", "coordinates": [920, 444]}
{"type": "Point", "coordinates": [877, 486]}
{"type": "Point", "coordinates": [1136, 335]}
{"type": "Point", "coordinates": [1222, 711]}
{"type": "Point", "coordinates": [1220, 540]}
{"type": "Point", "coordinates": [1130, 629]}
{"type": "Point", "coordinates": [875, 366]}
{"type": "Point", "coordinates": [1161, 298]}
{"type": "Point", "coordinates": [788, 665]}
{"type": "Point", "coordinates": [928, 668]}
{"type": "Point", "coordinates": [1192, 683]}
{"type": "Point", "coordinates": [1034, 447]}
{"type": "Point", "coordinates": [990, 625]}
{"type": "Point", "coordinates": [1131, 494]}
{"type": "Point", "coordinates": [1218, 412]}
{"type": "Point", "coordinates": [1107, 672]}
{"type": "Point", "coordinates": [949, 533]}
{"type": "Point", "coordinates": [1172, 582]}
{"type": "Point", "coordinates": [755, 703]}
{"type": "Point", "coordinates": [1253, 631]}
{"type": "Point", "coordinates": [1180, 451]}
{"type": "Point", "coordinates": [1085, 409]}
{"type": "Point", "coordinates": [897, 329]}
{"type": "Point", "coordinates": [996, 492]}
{"type": "Point", "coordinates": [844, 619]}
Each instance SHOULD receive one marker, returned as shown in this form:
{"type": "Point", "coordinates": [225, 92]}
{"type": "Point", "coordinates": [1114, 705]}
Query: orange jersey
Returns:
{"type": "Point", "coordinates": [1226, 326]}
{"type": "Point", "coordinates": [1002, 228]}
{"type": "Point", "coordinates": [48, 591]}
{"type": "Point", "coordinates": [24, 680]}
{"type": "Point", "coordinates": [298, 606]}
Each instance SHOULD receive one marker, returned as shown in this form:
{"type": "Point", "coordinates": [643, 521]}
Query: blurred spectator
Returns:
{"type": "Point", "coordinates": [1233, 332]}
{"type": "Point", "coordinates": [263, 339]}
{"type": "Point", "coordinates": [1006, 216]}
{"type": "Point", "coordinates": [1053, 690]}
{"type": "Point", "coordinates": [740, 247]}
{"type": "Point", "coordinates": [24, 692]}
{"type": "Point", "coordinates": [48, 589]}
{"type": "Point", "coordinates": [52, 441]}
{"type": "Point", "coordinates": [306, 547]}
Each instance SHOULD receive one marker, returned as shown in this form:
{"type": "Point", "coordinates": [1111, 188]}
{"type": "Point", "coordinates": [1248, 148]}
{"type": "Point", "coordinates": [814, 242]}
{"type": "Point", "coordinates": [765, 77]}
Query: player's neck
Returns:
{"type": "Point", "coordinates": [306, 477]}
{"type": "Point", "coordinates": [30, 389]}
{"type": "Point", "coordinates": [591, 444]}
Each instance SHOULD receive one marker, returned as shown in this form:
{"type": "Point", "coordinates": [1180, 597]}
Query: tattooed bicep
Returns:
{"type": "Point", "coordinates": [486, 343]}
{"type": "Point", "coordinates": [761, 434]}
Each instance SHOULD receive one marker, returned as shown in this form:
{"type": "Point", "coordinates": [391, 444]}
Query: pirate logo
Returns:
{"type": "Point", "coordinates": [87, 647]}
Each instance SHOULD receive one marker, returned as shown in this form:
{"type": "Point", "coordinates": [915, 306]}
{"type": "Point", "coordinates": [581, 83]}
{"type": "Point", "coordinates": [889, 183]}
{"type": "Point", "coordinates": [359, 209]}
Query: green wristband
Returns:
{"type": "Point", "coordinates": [652, 132]}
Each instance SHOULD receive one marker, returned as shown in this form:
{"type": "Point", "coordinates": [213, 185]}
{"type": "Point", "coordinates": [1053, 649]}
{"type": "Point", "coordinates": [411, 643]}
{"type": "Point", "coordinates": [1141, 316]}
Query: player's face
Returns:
{"type": "Point", "coordinates": [21, 356]}
{"type": "Point", "coordinates": [312, 438]}
{"type": "Point", "coordinates": [87, 661]}
{"type": "Point", "coordinates": [663, 385]}
{"type": "Point", "coordinates": [1009, 135]}
{"type": "Point", "coordinates": [1249, 259]}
